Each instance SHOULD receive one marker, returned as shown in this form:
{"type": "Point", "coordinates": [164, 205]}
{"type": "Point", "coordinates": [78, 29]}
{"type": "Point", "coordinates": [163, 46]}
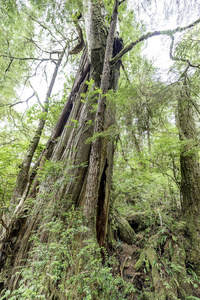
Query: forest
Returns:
{"type": "Point", "coordinates": [99, 149]}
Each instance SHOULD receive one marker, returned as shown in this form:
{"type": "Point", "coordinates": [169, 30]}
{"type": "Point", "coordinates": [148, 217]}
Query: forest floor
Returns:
{"type": "Point", "coordinates": [156, 264]}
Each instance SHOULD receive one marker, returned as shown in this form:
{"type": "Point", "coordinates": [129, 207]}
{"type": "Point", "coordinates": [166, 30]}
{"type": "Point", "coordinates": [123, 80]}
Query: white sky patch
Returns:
{"type": "Point", "coordinates": [157, 50]}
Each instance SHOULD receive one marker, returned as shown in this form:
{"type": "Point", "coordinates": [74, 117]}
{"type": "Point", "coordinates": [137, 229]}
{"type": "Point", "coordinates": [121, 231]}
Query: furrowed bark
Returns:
{"type": "Point", "coordinates": [98, 163]}
{"type": "Point", "coordinates": [68, 144]}
{"type": "Point", "coordinates": [190, 171]}
{"type": "Point", "coordinates": [15, 242]}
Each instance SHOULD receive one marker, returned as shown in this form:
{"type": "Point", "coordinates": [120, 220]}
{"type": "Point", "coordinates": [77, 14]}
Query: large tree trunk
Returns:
{"type": "Point", "coordinates": [96, 198]}
{"type": "Point", "coordinates": [190, 171]}
{"type": "Point", "coordinates": [85, 176]}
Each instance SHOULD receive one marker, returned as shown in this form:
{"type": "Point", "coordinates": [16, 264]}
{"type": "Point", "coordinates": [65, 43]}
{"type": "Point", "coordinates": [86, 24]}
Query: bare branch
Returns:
{"type": "Point", "coordinates": [27, 58]}
{"type": "Point", "coordinates": [36, 95]}
{"type": "Point", "coordinates": [81, 42]}
{"type": "Point", "coordinates": [45, 27]}
{"type": "Point", "coordinates": [8, 67]}
{"type": "Point", "coordinates": [35, 71]}
{"type": "Point", "coordinates": [58, 52]}
{"type": "Point", "coordinates": [23, 175]}
{"type": "Point", "coordinates": [20, 102]}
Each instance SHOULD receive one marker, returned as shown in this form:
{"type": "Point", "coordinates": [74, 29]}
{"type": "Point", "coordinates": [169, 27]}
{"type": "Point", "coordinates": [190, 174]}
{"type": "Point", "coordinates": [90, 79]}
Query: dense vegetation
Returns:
{"type": "Point", "coordinates": [99, 170]}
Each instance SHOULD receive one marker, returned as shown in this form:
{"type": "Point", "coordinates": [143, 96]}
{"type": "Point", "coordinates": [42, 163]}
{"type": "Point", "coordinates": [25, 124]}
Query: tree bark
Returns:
{"type": "Point", "coordinates": [68, 144]}
{"type": "Point", "coordinates": [97, 193]}
{"type": "Point", "coordinates": [190, 171]}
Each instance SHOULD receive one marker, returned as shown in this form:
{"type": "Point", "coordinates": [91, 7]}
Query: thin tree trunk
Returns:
{"type": "Point", "coordinates": [23, 175]}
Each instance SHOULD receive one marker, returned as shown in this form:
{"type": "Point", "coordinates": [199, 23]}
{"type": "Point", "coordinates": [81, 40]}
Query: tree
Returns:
{"type": "Point", "coordinates": [189, 162]}
{"type": "Point", "coordinates": [188, 111]}
{"type": "Point", "coordinates": [78, 157]}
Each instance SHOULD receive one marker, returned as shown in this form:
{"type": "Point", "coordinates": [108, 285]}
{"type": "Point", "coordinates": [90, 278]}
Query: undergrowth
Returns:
{"type": "Point", "coordinates": [60, 269]}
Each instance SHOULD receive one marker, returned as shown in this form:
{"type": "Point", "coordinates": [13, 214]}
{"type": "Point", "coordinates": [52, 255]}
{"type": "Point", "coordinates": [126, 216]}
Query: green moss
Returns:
{"type": "Point", "coordinates": [140, 261]}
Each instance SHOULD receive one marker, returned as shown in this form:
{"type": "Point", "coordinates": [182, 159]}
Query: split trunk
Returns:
{"type": "Point", "coordinates": [84, 177]}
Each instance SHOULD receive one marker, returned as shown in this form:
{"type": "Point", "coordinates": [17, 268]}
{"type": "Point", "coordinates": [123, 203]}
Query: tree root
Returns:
{"type": "Point", "coordinates": [122, 228]}
{"type": "Point", "coordinates": [164, 259]}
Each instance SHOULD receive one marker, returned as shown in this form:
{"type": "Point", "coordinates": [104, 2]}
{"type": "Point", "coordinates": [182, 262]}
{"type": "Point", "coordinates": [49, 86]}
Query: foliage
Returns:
{"type": "Point", "coordinates": [147, 175]}
{"type": "Point", "coordinates": [13, 143]}
{"type": "Point", "coordinates": [60, 267]}
{"type": "Point", "coordinates": [16, 32]}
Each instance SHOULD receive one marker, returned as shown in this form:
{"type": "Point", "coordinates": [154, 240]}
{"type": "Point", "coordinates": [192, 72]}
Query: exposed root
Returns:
{"type": "Point", "coordinates": [123, 229]}
{"type": "Point", "coordinates": [164, 259]}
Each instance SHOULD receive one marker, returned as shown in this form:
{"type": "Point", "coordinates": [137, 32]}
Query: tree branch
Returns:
{"type": "Point", "coordinates": [81, 43]}
{"type": "Point", "coordinates": [22, 178]}
{"type": "Point", "coordinates": [149, 35]}
{"type": "Point", "coordinates": [45, 27]}
{"type": "Point", "coordinates": [8, 67]}
{"type": "Point", "coordinates": [36, 95]}
{"type": "Point", "coordinates": [175, 58]}
{"type": "Point", "coordinates": [27, 58]}
{"type": "Point", "coordinates": [20, 102]}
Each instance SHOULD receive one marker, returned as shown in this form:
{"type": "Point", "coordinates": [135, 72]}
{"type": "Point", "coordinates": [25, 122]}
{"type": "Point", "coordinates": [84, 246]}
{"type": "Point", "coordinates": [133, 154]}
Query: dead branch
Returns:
{"type": "Point", "coordinates": [28, 58]}
{"type": "Point", "coordinates": [81, 43]}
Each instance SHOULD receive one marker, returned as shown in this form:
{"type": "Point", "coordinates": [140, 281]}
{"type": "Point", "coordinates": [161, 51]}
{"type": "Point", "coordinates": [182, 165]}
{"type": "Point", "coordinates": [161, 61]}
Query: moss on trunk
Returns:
{"type": "Point", "coordinates": [190, 171]}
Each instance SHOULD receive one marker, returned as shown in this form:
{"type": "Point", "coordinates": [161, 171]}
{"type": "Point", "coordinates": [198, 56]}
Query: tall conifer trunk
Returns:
{"type": "Point", "coordinates": [79, 158]}
{"type": "Point", "coordinates": [190, 171]}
